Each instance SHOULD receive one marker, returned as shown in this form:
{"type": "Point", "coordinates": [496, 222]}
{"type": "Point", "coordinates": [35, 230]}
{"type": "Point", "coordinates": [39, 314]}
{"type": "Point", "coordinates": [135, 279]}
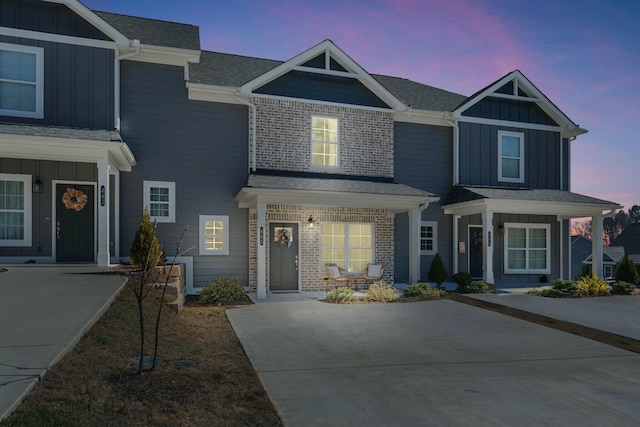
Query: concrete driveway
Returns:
{"type": "Point", "coordinates": [435, 363]}
{"type": "Point", "coordinates": [45, 311]}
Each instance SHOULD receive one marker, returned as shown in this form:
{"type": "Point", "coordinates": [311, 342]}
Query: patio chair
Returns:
{"type": "Point", "coordinates": [372, 272]}
{"type": "Point", "coordinates": [336, 274]}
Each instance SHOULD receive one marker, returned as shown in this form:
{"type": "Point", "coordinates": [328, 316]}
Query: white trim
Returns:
{"type": "Point", "coordinates": [202, 220]}
{"type": "Point", "coordinates": [434, 226]}
{"type": "Point", "coordinates": [211, 93]}
{"type": "Point", "coordinates": [54, 184]}
{"type": "Point", "coordinates": [314, 102]}
{"type": "Point", "coordinates": [424, 117]}
{"type": "Point", "coordinates": [521, 159]}
{"type": "Point", "coordinates": [26, 210]}
{"type": "Point", "coordinates": [167, 56]}
{"type": "Point", "coordinates": [527, 227]}
{"type": "Point", "coordinates": [146, 195]}
{"type": "Point", "coordinates": [507, 123]}
{"type": "Point", "coordinates": [56, 38]}
{"type": "Point", "coordinates": [38, 52]}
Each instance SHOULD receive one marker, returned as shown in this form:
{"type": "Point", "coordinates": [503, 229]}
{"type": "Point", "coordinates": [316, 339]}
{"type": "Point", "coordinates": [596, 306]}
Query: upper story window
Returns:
{"type": "Point", "coordinates": [428, 238]}
{"type": "Point", "coordinates": [21, 81]}
{"type": "Point", "coordinates": [324, 141]}
{"type": "Point", "coordinates": [510, 156]}
{"type": "Point", "coordinates": [160, 198]}
{"type": "Point", "coordinates": [15, 210]}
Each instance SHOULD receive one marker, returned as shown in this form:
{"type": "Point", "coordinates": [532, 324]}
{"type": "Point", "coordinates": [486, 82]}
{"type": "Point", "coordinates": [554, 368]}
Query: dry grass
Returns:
{"type": "Point", "coordinates": [205, 378]}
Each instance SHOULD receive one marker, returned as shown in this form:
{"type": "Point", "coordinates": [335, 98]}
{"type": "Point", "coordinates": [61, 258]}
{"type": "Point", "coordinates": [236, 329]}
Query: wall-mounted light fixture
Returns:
{"type": "Point", "coordinates": [37, 185]}
{"type": "Point", "coordinates": [501, 229]}
{"type": "Point", "coordinates": [311, 221]}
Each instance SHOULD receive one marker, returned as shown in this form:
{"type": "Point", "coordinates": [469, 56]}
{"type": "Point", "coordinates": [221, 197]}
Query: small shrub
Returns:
{"type": "Point", "coordinates": [586, 271]}
{"type": "Point", "coordinates": [592, 286]}
{"type": "Point", "coordinates": [559, 289]}
{"type": "Point", "coordinates": [622, 288]}
{"type": "Point", "coordinates": [145, 252]}
{"type": "Point", "coordinates": [475, 287]}
{"type": "Point", "coordinates": [382, 292]}
{"type": "Point", "coordinates": [462, 279]}
{"type": "Point", "coordinates": [423, 290]}
{"type": "Point", "coordinates": [223, 290]}
{"type": "Point", "coordinates": [341, 294]}
{"type": "Point", "coordinates": [627, 271]}
{"type": "Point", "coordinates": [437, 271]}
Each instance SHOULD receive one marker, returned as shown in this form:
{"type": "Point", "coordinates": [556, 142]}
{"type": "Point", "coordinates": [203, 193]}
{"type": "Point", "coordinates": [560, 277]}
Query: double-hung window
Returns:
{"type": "Point", "coordinates": [214, 235]}
{"type": "Point", "coordinates": [428, 238]}
{"type": "Point", "coordinates": [21, 81]}
{"type": "Point", "coordinates": [349, 245]}
{"type": "Point", "coordinates": [510, 156]}
{"type": "Point", "coordinates": [15, 210]}
{"type": "Point", "coordinates": [324, 141]}
{"type": "Point", "coordinates": [160, 199]}
{"type": "Point", "coordinates": [527, 248]}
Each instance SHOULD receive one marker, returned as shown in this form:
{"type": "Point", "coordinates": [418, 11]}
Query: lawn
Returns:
{"type": "Point", "coordinates": [205, 379]}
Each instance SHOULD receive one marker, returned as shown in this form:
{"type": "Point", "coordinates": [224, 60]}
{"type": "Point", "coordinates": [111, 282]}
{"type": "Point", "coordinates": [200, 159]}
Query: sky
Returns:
{"type": "Point", "coordinates": [584, 55]}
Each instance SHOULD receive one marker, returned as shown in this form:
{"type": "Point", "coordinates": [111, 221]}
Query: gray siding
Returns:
{"type": "Point", "coordinates": [41, 215]}
{"type": "Point", "coordinates": [42, 16]}
{"type": "Point", "coordinates": [512, 110]}
{"type": "Point", "coordinates": [479, 157]}
{"type": "Point", "coordinates": [201, 146]}
{"type": "Point", "coordinates": [423, 159]}
{"type": "Point", "coordinates": [297, 84]}
{"type": "Point", "coordinates": [78, 85]}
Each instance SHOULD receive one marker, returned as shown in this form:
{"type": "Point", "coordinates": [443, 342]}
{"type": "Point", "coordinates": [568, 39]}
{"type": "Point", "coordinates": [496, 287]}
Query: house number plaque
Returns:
{"type": "Point", "coordinates": [261, 236]}
{"type": "Point", "coordinates": [102, 195]}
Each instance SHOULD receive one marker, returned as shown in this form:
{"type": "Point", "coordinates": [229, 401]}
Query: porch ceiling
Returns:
{"type": "Point", "coordinates": [564, 204]}
{"type": "Point", "coordinates": [331, 192]}
{"type": "Point", "coordinates": [65, 144]}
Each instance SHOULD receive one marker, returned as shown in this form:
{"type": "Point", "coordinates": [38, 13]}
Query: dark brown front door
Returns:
{"type": "Point", "coordinates": [283, 257]}
{"type": "Point", "coordinates": [475, 252]}
{"type": "Point", "coordinates": [74, 228]}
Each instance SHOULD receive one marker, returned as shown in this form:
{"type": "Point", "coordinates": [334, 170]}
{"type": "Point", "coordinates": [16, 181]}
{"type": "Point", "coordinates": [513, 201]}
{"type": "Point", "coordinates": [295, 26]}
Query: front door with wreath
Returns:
{"type": "Point", "coordinates": [283, 257]}
{"type": "Point", "coordinates": [74, 227]}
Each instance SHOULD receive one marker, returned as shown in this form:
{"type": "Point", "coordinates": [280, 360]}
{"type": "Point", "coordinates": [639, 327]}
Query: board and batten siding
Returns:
{"type": "Point", "coordinates": [202, 147]}
{"type": "Point", "coordinates": [423, 159]}
{"type": "Point", "coordinates": [78, 85]}
{"type": "Point", "coordinates": [479, 156]}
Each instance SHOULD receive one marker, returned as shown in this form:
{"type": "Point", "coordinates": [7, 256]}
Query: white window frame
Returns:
{"type": "Point", "coordinates": [434, 238]}
{"type": "Point", "coordinates": [521, 159]}
{"type": "Point", "coordinates": [346, 243]}
{"type": "Point", "coordinates": [146, 199]}
{"type": "Point", "coordinates": [527, 227]}
{"type": "Point", "coordinates": [39, 83]}
{"type": "Point", "coordinates": [225, 234]}
{"type": "Point", "coordinates": [607, 270]}
{"type": "Point", "coordinates": [337, 143]}
{"type": "Point", "coordinates": [28, 220]}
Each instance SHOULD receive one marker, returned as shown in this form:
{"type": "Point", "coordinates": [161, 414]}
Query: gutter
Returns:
{"type": "Point", "coordinates": [253, 130]}
{"type": "Point", "coordinates": [116, 80]}
{"type": "Point", "coordinates": [456, 149]}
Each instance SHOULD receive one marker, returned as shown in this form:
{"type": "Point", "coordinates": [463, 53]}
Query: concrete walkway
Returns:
{"type": "Point", "coordinates": [437, 363]}
{"type": "Point", "coordinates": [45, 311]}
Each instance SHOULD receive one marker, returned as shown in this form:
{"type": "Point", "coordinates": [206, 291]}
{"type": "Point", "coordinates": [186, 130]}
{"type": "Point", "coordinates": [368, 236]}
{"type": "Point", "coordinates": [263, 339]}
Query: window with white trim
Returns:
{"type": "Point", "coordinates": [21, 81]}
{"type": "Point", "coordinates": [428, 238]}
{"type": "Point", "coordinates": [527, 248]}
{"type": "Point", "coordinates": [160, 199]}
{"type": "Point", "coordinates": [349, 245]}
{"type": "Point", "coordinates": [15, 210]}
{"type": "Point", "coordinates": [324, 141]}
{"type": "Point", "coordinates": [510, 156]}
{"type": "Point", "coordinates": [214, 235]}
{"type": "Point", "coordinates": [608, 270]}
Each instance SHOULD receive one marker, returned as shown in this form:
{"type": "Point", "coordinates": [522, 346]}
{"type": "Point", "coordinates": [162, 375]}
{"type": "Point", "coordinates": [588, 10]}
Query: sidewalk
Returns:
{"type": "Point", "coordinates": [45, 310]}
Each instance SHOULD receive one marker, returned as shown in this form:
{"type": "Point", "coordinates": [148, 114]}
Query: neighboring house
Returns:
{"type": "Point", "coordinates": [580, 251]}
{"type": "Point", "coordinates": [612, 256]}
{"type": "Point", "coordinates": [630, 240]}
{"type": "Point", "coordinates": [276, 167]}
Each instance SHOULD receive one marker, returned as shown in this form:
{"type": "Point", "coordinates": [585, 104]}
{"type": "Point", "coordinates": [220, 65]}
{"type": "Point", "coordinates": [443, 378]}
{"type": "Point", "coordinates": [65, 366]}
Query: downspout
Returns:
{"type": "Point", "coordinates": [456, 149]}
{"type": "Point", "coordinates": [116, 78]}
{"type": "Point", "coordinates": [253, 130]}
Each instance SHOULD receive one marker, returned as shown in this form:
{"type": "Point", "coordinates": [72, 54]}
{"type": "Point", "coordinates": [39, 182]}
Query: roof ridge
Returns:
{"type": "Point", "coordinates": [145, 18]}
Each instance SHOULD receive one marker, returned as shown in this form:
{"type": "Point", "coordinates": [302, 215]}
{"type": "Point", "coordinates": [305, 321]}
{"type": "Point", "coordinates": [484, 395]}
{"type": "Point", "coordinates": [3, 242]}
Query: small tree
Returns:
{"type": "Point", "coordinates": [437, 271]}
{"type": "Point", "coordinates": [145, 249]}
{"type": "Point", "coordinates": [627, 271]}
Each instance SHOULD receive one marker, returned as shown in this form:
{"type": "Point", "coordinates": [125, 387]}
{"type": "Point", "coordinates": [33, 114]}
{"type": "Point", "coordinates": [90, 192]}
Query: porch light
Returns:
{"type": "Point", "coordinates": [37, 185]}
{"type": "Point", "coordinates": [311, 221]}
{"type": "Point", "coordinates": [501, 228]}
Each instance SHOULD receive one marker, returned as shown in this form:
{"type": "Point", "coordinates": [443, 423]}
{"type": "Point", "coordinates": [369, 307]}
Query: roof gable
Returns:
{"type": "Point", "coordinates": [515, 87]}
{"type": "Point", "coordinates": [327, 60]}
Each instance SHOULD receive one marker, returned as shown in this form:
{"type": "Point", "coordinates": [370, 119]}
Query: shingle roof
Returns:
{"type": "Point", "coordinates": [461, 194]}
{"type": "Point", "coordinates": [154, 32]}
{"type": "Point", "coordinates": [333, 185]}
{"type": "Point", "coordinates": [60, 132]}
{"type": "Point", "coordinates": [420, 96]}
{"type": "Point", "coordinates": [223, 69]}
{"type": "Point", "coordinates": [629, 238]}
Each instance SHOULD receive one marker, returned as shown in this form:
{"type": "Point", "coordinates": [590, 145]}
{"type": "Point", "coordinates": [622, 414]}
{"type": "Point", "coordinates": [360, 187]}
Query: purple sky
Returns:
{"type": "Point", "coordinates": [583, 54]}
